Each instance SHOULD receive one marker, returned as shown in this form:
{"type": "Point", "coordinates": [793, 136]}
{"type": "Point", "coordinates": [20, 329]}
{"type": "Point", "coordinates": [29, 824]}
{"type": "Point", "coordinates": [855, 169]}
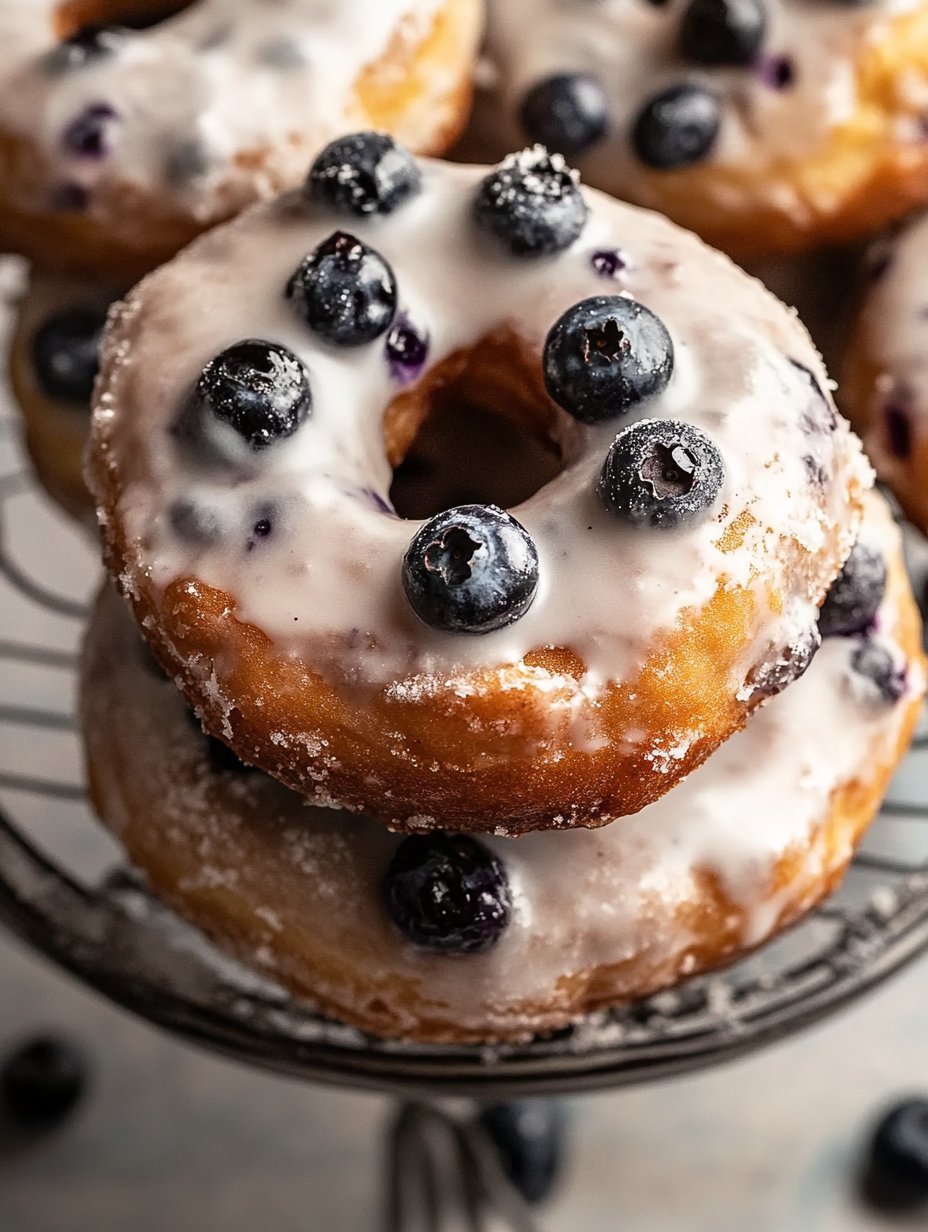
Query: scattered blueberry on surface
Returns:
{"type": "Point", "coordinates": [406, 349]}
{"type": "Point", "coordinates": [84, 46]}
{"type": "Point", "coordinates": [529, 1138]}
{"type": "Point", "coordinates": [895, 1173]}
{"type": "Point", "coordinates": [88, 136]}
{"type": "Point", "coordinates": [876, 665]}
{"type": "Point", "coordinates": [532, 204]}
{"type": "Point", "coordinates": [604, 355]}
{"type": "Point", "coordinates": [448, 893]}
{"type": "Point", "coordinates": [855, 595]}
{"type": "Point", "coordinates": [259, 388]}
{"type": "Point", "coordinates": [363, 174]}
{"type": "Point", "coordinates": [42, 1080]}
{"type": "Point", "coordinates": [677, 127]}
{"type": "Point", "coordinates": [471, 569]}
{"type": "Point", "coordinates": [718, 32]}
{"type": "Point", "coordinates": [661, 473]}
{"type": "Point", "coordinates": [567, 112]}
{"type": "Point", "coordinates": [65, 354]}
{"type": "Point", "coordinates": [789, 665]}
{"type": "Point", "coordinates": [344, 291]}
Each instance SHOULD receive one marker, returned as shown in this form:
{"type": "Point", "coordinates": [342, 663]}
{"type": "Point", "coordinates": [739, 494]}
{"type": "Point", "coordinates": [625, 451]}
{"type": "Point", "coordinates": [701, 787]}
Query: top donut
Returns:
{"type": "Point", "coordinates": [562, 662]}
{"type": "Point", "coordinates": [765, 125]}
{"type": "Point", "coordinates": [119, 145]}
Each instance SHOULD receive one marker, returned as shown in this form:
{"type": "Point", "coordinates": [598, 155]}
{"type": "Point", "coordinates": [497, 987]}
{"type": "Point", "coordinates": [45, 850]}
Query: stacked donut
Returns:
{"type": "Point", "coordinates": [526, 636]}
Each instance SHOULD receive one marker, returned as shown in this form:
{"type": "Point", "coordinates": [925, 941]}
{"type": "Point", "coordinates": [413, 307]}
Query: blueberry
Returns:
{"type": "Point", "coordinates": [876, 665]}
{"type": "Point", "coordinates": [194, 523]}
{"type": "Point", "coordinates": [42, 1080]}
{"type": "Point", "coordinates": [896, 1164]}
{"type": "Point", "coordinates": [567, 112]}
{"type": "Point", "coordinates": [471, 569]}
{"type": "Point", "coordinates": [88, 135]}
{"type": "Point", "coordinates": [604, 355]}
{"type": "Point", "coordinates": [65, 354]}
{"type": "Point", "coordinates": [529, 1138]}
{"type": "Point", "coordinates": [790, 664]}
{"type": "Point", "coordinates": [609, 262]}
{"type": "Point", "coordinates": [448, 893]}
{"type": "Point", "coordinates": [84, 46]}
{"type": "Point", "coordinates": [345, 291]}
{"type": "Point", "coordinates": [659, 472]}
{"type": "Point", "coordinates": [677, 127]}
{"type": "Point", "coordinates": [715, 32]}
{"type": "Point", "coordinates": [260, 388]}
{"type": "Point", "coordinates": [777, 72]}
{"type": "Point", "coordinates": [407, 349]}
{"type": "Point", "coordinates": [532, 203]}
{"type": "Point", "coordinates": [855, 595]}
{"type": "Point", "coordinates": [362, 174]}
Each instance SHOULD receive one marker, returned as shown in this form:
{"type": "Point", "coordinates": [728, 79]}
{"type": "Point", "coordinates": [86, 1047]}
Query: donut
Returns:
{"type": "Point", "coordinates": [764, 125]}
{"type": "Point", "coordinates": [52, 366]}
{"type": "Point", "coordinates": [119, 145]}
{"type": "Point", "coordinates": [884, 386]}
{"type": "Point", "coordinates": [543, 929]}
{"type": "Point", "coordinates": [459, 664]}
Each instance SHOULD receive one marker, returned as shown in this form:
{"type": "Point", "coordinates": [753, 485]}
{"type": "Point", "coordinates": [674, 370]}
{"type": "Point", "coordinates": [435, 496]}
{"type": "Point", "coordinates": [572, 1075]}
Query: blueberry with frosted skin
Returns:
{"type": "Point", "coordinates": [661, 473]}
{"type": "Point", "coordinates": [345, 291]}
{"type": "Point", "coordinates": [789, 664]}
{"type": "Point", "coordinates": [677, 127]}
{"type": "Point", "coordinates": [722, 32]}
{"type": "Point", "coordinates": [471, 569]}
{"type": "Point", "coordinates": [363, 174]}
{"type": "Point", "coordinates": [448, 893]}
{"type": "Point", "coordinates": [604, 355]}
{"type": "Point", "coordinates": [855, 595]}
{"type": "Point", "coordinates": [532, 204]}
{"type": "Point", "coordinates": [259, 388]}
{"type": "Point", "coordinates": [877, 666]}
{"type": "Point", "coordinates": [566, 112]}
{"type": "Point", "coordinates": [65, 354]}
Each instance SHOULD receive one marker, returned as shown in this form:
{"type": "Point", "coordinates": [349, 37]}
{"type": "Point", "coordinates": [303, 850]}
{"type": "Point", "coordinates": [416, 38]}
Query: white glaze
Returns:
{"type": "Point", "coordinates": [326, 584]}
{"type": "Point", "coordinates": [583, 899]}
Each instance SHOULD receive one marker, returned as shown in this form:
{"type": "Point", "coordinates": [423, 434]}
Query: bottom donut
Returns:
{"type": "Point", "coordinates": [449, 939]}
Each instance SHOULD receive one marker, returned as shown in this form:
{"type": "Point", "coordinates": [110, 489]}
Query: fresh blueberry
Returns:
{"type": "Point", "coordinates": [84, 46]}
{"type": "Point", "coordinates": [605, 355]}
{"type": "Point", "coordinates": [471, 569]}
{"type": "Point", "coordinates": [88, 135]}
{"type": "Point", "coordinates": [716, 32]}
{"type": "Point", "coordinates": [407, 349]}
{"type": "Point", "coordinates": [855, 595]}
{"type": "Point", "coordinates": [529, 1138]}
{"type": "Point", "coordinates": [876, 665]}
{"type": "Point", "coordinates": [677, 127]}
{"type": "Point", "coordinates": [344, 291]}
{"type": "Point", "coordinates": [42, 1080]}
{"type": "Point", "coordinates": [567, 112]}
{"type": "Point", "coordinates": [363, 174]}
{"type": "Point", "coordinates": [532, 203]}
{"type": "Point", "coordinates": [659, 472]}
{"type": "Point", "coordinates": [895, 1174]}
{"type": "Point", "coordinates": [789, 665]}
{"type": "Point", "coordinates": [65, 354]}
{"type": "Point", "coordinates": [448, 893]}
{"type": "Point", "coordinates": [260, 388]}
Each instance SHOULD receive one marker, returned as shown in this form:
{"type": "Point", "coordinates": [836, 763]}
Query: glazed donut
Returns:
{"type": "Point", "coordinates": [118, 145]}
{"type": "Point", "coordinates": [884, 385]}
{"type": "Point", "coordinates": [764, 125]}
{"type": "Point", "coordinates": [563, 663]}
{"type": "Point", "coordinates": [543, 929]}
{"type": "Point", "coordinates": [52, 366]}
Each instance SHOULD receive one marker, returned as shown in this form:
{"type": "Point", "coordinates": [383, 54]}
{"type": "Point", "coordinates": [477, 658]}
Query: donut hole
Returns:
{"type": "Point", "coordinates": [74, 15]}
{"type": "Point", "coordinates": [477, 429]}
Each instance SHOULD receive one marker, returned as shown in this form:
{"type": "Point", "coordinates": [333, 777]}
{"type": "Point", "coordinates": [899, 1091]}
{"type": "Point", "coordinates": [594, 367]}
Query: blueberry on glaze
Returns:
{"type": "Point", "coordinates": [42, 1080]}
{"type": "Point", "coordinates": [448, 893]}
{"type": "Point", "coordinates": [604, 355]}
{"type": "Point", "coordinates": [677, 127]}
{"type": "Point", "coordinates": [406, 349]}
{"type": "Point", "coordinates": [65, 354]}
{"type": "Point", "coordinates": [532, 204]}
{"type": "Point", "coordinates": [471, 569]}
{"type": "Point", "coordinates": [84, 46]}
{"type": "Point", "coordinates": [895, 1177]}
{"type": "Point", "coordinates": [344, 291]}
{"type": "Point", "coordinates": [609, 262]}
{"type": "Point", "coordinates": [790, 664]}
{"type": "Point", "coordinates": [661, 473]}
{"type": "Point", "coordinates": [567, 112]}
{"type": "Point", "coordinates": [259, 388]}
{"type": "Point", "coordinates": [88, 135]}
{"type": "Point", "coordinates": [363, 174]}
{"type": "Point", "coordinates": [194, 523]}
{"type": "Point", "coordinates": [529, 1138]}
{"type": "Point", "coordinates": [719, 32]}
{"type": "Point", "coordinates": [855, 595]}
{"type": "Point", "coordinates": [877, 666]}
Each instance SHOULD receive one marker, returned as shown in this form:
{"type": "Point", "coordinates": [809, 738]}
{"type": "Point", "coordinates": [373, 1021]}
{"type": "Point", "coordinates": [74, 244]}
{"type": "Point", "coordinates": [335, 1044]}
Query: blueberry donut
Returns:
{"type": "Point", "coordinates": [118, 145]}
{"type": "Point", "coordinates": [884, 384]}
{"type": "Point", "coordinates": [530, 934]}
{"type": "Point", "coordinates": [764, 125]}
{"type": "Point", "coordinates": [459, 657]}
